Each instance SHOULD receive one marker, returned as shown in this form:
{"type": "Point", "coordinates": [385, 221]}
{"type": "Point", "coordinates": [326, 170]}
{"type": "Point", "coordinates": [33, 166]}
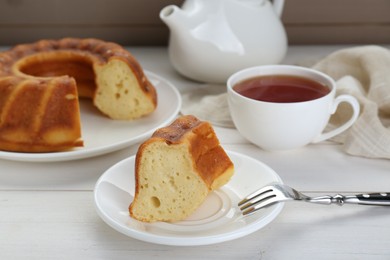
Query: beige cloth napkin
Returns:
{"type": "Point", "coordinates": [363, 72]}
{"type": "Point", "coordinates": [209, 103]}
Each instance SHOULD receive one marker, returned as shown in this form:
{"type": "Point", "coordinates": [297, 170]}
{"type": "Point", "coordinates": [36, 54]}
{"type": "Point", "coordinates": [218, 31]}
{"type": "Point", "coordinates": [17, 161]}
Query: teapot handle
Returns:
{"type": "Point", "coordinates": [278, 6]}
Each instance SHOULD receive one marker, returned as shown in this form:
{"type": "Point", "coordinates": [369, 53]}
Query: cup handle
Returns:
{"type": "Point", "coordinates": [356, 110]}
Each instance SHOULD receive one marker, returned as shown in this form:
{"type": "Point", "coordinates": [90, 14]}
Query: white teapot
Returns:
{"type": "Point", "coordinates": [212, 39]}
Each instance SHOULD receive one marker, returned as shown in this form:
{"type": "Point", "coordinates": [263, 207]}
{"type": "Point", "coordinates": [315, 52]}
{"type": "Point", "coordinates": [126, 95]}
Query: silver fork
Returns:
{"type": "Point", "coordinates": [277, 192]}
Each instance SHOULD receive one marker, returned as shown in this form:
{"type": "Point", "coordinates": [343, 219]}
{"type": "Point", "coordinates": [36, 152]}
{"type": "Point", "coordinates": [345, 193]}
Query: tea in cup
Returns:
{"type": "Point", "coordinates": [282, 107]}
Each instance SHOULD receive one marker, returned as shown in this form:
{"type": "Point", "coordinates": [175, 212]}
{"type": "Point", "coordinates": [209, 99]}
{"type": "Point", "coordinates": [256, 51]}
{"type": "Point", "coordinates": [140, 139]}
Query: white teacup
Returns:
{"type": "Point", "coordinates": [288, 125]}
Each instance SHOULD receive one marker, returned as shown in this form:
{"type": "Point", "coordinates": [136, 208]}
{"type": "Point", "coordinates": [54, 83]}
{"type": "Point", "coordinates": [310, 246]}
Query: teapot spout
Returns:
{"type": "Point", "coordinates": [172, 16]}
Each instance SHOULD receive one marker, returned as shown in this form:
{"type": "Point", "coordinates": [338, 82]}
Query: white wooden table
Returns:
{"type": "Point", "coordinates": [47, 209]}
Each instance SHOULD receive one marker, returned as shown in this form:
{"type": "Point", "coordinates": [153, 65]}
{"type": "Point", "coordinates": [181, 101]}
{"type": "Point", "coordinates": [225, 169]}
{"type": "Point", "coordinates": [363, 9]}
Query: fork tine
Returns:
{"type": "Point", "coordinates": [261, 196]}
{"type": "Point", "coordinates": [259, 205]}
{"type": "Point", "coordinates": [255, 194]}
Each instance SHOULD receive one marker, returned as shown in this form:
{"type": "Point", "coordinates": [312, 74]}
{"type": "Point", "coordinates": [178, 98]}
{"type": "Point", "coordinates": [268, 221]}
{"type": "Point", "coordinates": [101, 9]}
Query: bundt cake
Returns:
{"type": "Point", "coordinates": [40, 84]}
{"type": "Point", "coordinates": [176, 169]}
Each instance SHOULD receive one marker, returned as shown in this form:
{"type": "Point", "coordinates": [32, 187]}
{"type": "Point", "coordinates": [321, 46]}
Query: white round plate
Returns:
{"type": "Point", "coordinates": [217, 220]}
{"type": "Point", "coordinates": [102, 135]}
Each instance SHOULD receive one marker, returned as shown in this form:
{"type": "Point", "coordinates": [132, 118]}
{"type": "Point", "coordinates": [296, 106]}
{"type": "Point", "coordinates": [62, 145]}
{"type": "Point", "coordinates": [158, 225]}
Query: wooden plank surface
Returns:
{"type": "Point", "coordinates": [337, 21]}
{"type": "Point", "coordinates": [132, 22]}
{"type": "Point", "coordinates": [47, 210]}
{"type": "Point", "coordinates": [64, 225]}
{"type": "Point", "coordinates": [336, 12]}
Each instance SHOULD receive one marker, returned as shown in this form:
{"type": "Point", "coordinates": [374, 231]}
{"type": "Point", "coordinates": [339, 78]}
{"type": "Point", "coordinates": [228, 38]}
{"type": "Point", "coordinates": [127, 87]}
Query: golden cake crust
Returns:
{"type": "Point", "coordinates": [15, 61]}
{"type": "Point", "coordinates": [209, 157]}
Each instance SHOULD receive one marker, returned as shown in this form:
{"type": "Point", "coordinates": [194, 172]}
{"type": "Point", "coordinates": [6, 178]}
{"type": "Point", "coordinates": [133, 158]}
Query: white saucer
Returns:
{"type": "Point", "coordinates": [217, 220]}
{"type": "Point", "coordinates": [102, 135]}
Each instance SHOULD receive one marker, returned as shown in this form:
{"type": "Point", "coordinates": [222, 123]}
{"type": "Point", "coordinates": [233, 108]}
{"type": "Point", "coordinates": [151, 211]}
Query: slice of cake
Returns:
{"type": "Point", "coordinates": [176, 169]}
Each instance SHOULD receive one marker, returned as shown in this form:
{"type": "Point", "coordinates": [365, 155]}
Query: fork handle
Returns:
{"type": "Point", "coordinates": [381, 199]}
{"type": "Point", "coordinates": [378, 199]}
